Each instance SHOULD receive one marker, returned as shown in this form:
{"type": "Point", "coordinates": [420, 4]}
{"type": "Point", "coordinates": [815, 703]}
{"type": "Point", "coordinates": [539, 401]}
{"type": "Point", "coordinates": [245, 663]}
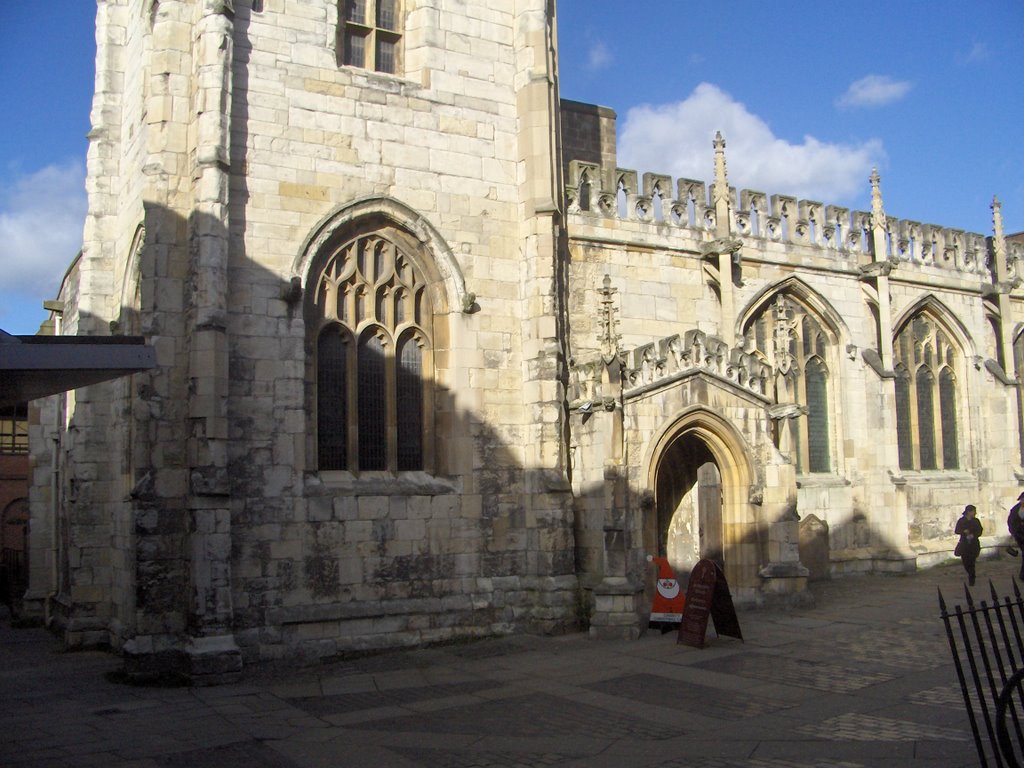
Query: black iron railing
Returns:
{"type": "Point", "coordinates": [986, 642]}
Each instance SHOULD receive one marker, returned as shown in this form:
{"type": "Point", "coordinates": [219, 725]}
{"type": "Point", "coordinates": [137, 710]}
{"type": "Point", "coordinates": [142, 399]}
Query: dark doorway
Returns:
{"type": "Point", "coordinates": [689, 505]}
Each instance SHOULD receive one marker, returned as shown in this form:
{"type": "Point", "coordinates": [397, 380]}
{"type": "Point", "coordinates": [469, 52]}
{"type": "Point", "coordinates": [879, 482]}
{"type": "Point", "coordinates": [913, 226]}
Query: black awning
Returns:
{"type": "Point", "coordinates": [37, 366]}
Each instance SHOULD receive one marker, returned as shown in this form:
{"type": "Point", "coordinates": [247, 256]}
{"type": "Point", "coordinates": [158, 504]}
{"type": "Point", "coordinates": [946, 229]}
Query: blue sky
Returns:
{"type": "Point", "coordinates": [809, 96]}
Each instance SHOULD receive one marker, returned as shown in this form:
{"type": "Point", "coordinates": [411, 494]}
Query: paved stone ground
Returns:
{"type": "Point", "coordinates": [864, 678]}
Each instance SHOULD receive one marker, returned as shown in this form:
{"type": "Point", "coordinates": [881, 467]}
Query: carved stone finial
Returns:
{"type": "Point", "coordinates": [877, 211]}
{"type": "Point", "coordinates": [782, 335]}
{"type": "Point", "coordinates": [609, 338]}
{"type": "Point", "coordinates": [999, 237]}
{"type": "Point", "coordinates": [720, 189]}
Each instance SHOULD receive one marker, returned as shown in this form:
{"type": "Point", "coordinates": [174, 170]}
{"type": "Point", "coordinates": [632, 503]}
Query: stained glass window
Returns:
{"type": "Point", "coordinates": [332, 416]}
{"type": "Point", "coordinates": [817, 416]}
{"type": "Point", "coordinates": [926, 393]}
{"type": "Point", "coordinates": [904, 435]}
{"type": "Point", "coordinates": [926, 418]}
{"type": "Point", "coordinates": [410, 406]}
{"type": "Point", "coordinates": [947, 410]}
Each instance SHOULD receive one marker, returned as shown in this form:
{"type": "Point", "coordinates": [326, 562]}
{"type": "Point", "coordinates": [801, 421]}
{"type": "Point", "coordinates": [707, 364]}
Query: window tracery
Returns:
{"type": "Point", "coordinates": [373, 358]}
{"type": "Point", "coordinates": [794, 343]}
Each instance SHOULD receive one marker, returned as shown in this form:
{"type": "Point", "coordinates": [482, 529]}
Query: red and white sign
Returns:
{"type": "Point", "coordinates": [668, 597]}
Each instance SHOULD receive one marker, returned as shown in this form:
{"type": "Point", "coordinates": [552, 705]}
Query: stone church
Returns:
{"type": "Point", "coordinates": [430, 365]}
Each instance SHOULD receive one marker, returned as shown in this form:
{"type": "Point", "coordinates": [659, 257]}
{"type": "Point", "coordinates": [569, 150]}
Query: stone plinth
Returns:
{"type": "Point", "coordinates": [204, 661]}
{"type": "Point", "coordinates": [617, 604]}
{"type": "Point", "coordinates": [785, 578]}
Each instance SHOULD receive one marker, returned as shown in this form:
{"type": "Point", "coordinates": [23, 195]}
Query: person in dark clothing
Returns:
{"type": "Point", "coordinates": [968, 528]}
{"type": "Point", "coordinates": [1015, 522]}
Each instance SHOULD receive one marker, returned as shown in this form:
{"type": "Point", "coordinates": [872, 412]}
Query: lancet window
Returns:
{"type": "Point", "coordinates": [373, 362]}
{"type": "Point", "coordinates": [926, 397]}
{"type": "Point", "coordinates": [792, 340]}
{"type": "Point", "coordinates": [370, 34]}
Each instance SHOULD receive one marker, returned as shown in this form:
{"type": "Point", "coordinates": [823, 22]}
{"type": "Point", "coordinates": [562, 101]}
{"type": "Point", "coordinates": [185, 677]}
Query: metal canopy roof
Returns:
{"type": "Point", "coordinates": [37, 366]}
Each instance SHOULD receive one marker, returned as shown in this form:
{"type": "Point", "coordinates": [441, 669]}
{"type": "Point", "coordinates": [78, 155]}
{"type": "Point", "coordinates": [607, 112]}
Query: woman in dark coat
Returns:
{"type": "Point", "coordinates": [1015, 522]}
{"type": "Point", "coordinates": [968, 528]}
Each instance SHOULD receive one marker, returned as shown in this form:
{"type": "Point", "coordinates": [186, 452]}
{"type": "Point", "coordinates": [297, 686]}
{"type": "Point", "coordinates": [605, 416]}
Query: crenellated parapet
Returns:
{"type": "Point", "coordinates": [665, 360]}
{"type": "Point", "coordinates": [625, 195]}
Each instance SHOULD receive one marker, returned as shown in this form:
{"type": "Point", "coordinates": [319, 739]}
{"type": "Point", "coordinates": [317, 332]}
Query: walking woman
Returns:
{"type": "Point", "coordinates": [968, 527]}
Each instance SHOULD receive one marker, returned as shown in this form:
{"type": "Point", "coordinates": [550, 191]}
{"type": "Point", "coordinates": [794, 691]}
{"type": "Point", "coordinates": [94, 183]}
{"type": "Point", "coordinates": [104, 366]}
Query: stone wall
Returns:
{"type": "Point", "coordinates": [584, 319]}
{"type": "Point", "coordinates": [659, 253]}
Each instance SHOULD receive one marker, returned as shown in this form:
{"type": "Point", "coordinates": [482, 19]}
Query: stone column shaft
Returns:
{"type": "Point", "coordinates": [212, 649]}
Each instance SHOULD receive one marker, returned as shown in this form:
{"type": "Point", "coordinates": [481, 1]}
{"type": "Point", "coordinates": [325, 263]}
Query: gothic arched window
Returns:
{"type": "Point", "coordinates": [373, 358]}
{"type": "Point", "coordinates": [926, 393]}
{"type": "Point", "coordinates": [793, 342]}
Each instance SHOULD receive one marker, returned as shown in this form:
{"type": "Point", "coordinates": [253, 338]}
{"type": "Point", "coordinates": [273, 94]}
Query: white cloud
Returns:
{"type": "Point", "coordinates": [978, 52]}
{"type": "Point", "coordinates": [676, 139]}
{"type": "Point", "coordinates": [598, 56]}
{"type": "Point", "coordinates": [41, 220]}
{"type": "Point", "coordinates": [874, 91]}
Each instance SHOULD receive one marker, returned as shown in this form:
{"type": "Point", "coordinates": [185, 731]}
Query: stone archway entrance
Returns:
{"type": "Point", "coordinates": [689, 505]}
{"type": "Point", "coordinates": [699, 471]}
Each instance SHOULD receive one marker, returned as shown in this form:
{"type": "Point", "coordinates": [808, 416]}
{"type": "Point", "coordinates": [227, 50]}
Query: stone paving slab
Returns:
{"type": "Point", "coordinates": [862, 679]}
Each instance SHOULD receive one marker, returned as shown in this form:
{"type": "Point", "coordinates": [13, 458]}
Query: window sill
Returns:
{"type": "Point", "coordinates": [380, 484]}
{"type": "Point", "coordinates": [823, 480]}
{"type": "Point", "coordinates": [393, 82]}
{"type": "Point", "coordinates": [947, 477]}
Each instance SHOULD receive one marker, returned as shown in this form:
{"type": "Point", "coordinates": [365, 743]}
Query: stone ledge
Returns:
{"type": "Point", "coordinates": [380, 484]}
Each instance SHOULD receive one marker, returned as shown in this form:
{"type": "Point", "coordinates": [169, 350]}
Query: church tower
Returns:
{"type": "Point", "coordinates": [338, 223]}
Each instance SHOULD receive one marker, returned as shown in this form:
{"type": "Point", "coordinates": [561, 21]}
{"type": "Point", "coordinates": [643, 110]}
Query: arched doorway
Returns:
{"type": "Point", "coordinates": [689, 505]}
{"type": "Point", "coordinates": [700, 473]}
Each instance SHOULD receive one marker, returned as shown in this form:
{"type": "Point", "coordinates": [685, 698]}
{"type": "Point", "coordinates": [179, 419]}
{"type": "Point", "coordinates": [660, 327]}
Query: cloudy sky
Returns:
{"type": "Point", "coordinates": [810, 96]}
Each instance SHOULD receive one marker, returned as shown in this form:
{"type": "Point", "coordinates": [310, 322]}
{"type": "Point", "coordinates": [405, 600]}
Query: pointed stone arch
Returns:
{"type": "Point", "coordinates": [721, 443]}
{"type": "Point", "coordinates": [129, 311]}
{"type": "Point", "coordinates": [379, 283]}
{"type": "Point", "coordinates": [442, 266]}
{"type": "Point", "coordinates": [943, 316]}
{"type": "Point", "coordinates": [931, 362]}
{"type": "Point", "coordinates": [1018, 331]}
{"type": "Point", "coordinates": [831, 320]}
{"type": "Point", "coordinates": [813, 440]}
